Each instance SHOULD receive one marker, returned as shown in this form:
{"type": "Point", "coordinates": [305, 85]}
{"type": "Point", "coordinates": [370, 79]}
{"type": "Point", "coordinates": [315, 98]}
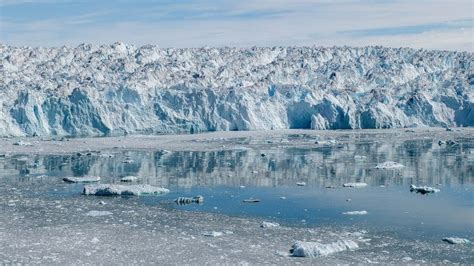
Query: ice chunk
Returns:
{"type": "Point", "coordinates": [355, 213]}
{"type": "Point", "coordinates": [98, 213]}
{"type": "Point", "coordinates": [355, 184]}
{"type": "Point", "coordinates": [213, 234]}
{"type": "Point", "coordinates": [316, 249]}
{"type": "Point", "coordinates": [423, 189]}
{"type": "Point", "coordinates": [269, 224]}
{"type": "Point", "coordinates": [186, 200]}
{"type": "Point", "coordinates": [130, 190]}
{"type": "Point", "coordinates": [301, 184]}
{"type": "Point", "coordinates": [129, 178]}
{"type": "Point", "coordinates": [22, 143]}
{"type": "Point", "coordinates": [251, 200]}
{"type": "Point", "coordinates": [82, 179]}
{"type": "Point", "coordinates": [389, 165]}
{"type": "Point", "coordinates": [456, 240]}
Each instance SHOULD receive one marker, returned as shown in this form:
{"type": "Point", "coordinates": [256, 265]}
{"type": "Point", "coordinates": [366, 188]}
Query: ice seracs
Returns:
{"type": "Point", "coordinates": [122, 190]}
{"type": "Point", "coordinates": [316, 249]}
{"type": "Point", "coordinates": [98, 90]}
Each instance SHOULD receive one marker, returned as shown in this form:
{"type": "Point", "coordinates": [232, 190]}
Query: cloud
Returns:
{"type": "Point", "coordinates": [241, 23]}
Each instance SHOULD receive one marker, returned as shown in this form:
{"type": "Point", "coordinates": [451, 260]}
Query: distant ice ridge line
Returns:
{"type": "Point", "coordinates": [120, 89]}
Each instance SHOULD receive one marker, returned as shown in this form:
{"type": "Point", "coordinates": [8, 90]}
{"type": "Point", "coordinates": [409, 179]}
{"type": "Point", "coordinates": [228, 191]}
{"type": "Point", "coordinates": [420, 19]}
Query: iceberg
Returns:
{"type": "Point", "coordinates": [82, 179]}
{"type": "Point", "coordinates": [423, 189]}
{"type": "Point", "coordinates": [456, 240]}
{"type": "Point", "coordinates": [355, 184]}
{"type": "Point", "coordinates": [389, 165]}
{"type": "Point", "coordinates": [121, 190]}
{"type": "Point", "coordinates": [316, 249]}
{"type": "Point", "coordinates": [105, 90]}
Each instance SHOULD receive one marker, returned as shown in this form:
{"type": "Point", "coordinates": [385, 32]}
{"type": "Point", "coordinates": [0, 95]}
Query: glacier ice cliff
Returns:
{"type": "Point", "coordinates": [120, 89]}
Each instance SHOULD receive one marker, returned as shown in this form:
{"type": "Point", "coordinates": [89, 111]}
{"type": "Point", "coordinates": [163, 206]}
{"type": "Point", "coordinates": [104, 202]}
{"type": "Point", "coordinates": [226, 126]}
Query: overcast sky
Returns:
{"type": "Point", "coordinates": [428, 24]}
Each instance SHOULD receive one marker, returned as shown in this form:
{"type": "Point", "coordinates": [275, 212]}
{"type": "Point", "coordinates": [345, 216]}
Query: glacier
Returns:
{"type": "Point", "coordinates": [119, 89]}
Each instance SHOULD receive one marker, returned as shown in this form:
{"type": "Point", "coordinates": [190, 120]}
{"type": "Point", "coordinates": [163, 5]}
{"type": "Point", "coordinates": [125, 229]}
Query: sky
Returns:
{"type": "Point", "coordinates": [429, 24]}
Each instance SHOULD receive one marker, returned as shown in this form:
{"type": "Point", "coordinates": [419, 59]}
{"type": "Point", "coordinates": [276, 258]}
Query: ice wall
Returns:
{"type": "Point", "coordinates": [120, 89]}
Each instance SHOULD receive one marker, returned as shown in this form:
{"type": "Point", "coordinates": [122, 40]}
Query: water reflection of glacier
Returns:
{"type": "Point", "coordinates": [426, 163]}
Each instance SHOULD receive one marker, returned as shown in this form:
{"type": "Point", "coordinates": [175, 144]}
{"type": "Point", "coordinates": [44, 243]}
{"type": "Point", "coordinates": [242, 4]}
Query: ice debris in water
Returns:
{"type": "Point", "coordinates": [116, 190]}
{"type": "Point", "coordinates": [98, 213]}
{"type": "Point", "coordinates": [22, 143]}
{"type": "Point", "coordinates": [187, 200]}
{"type": "Point", "coordinates": [82, 179]}
{"type": "Point", "coordinates": [355, 184]}
{"type": "Point", "coordinates": [269, 224]}
{"type": "Point", "coordinates": [301, 184]}
{"type": "Point", "coordinates": [129, 178]}
{"type": "Point", "coordinates": [355, 213]}
{"type": "Point", "coordinates": [213, 234]}
{"type": "Point", "coordinates": [389, 165]}
{"type": "Point", "coordinates": [423, 189]}
{"type": "Point", "coordinates": [316, 249]}
{"type": "Point", "coordinates": [251, 200]}
{"type": "Point", "coordinates": [456, 240]}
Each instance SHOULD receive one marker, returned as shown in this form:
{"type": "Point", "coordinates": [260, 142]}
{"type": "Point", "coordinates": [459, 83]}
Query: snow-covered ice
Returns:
{"type": "Point", "coordinates": [316, 249]}
{"type": "Point", "coordinates": [129, 178]}
{"type": "Point", "coordinates": [129, 190]}
{"type": "Point", "coordinates": [119, 89]}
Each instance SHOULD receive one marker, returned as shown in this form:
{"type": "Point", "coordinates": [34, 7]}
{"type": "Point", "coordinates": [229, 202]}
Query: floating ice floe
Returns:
{"type": "Point", "coordinates": [389, 165]}
{"type": "Point", "coordinates": [98, 213]}
{"type": "Point", "coordinates": [82, 179]}
{"type": "Point", "coordinates": [301, 184]}
{"type": "Point", "coordinates": [316, 249]}
{"type": "Point", "coordinates": [251, 200]}
{"type": "Point", "coordinates": [269, 224]}
{"type": "Point", "coordinates": [22, 143]}
{"type": "Point", "coordinates": [326, 142]}
{"type": "Point", "coordinates": [117, 190]}
{"type": "Point", "coordinates": [187, 200]}
{"type": "Point", "coordinates": [128, 161]}
{"type": "Point", "coordinates": [213, 234]}
{"type": "Point", "coordinates": [456, 240]}
{"type": "Point", "coordinates": [355, 184]}
{"type": "Point", "coordinates": [355, 213]}
{"type": "Point", "coordinates": [129, 178]}
{"type": "Point", "coordinates": [423, 189]}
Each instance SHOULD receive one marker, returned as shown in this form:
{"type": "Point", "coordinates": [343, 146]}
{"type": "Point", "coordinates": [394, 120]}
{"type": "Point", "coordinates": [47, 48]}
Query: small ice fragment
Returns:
{"type": "Point", "coordinates": [355, 213]}
{"type": "Point", "coordinates": [241, 186]}
{"type": "Point", "coordinates": [456, 240]}
{"type": "Point", "coordinates": [301, 184]}
{"type": "Point", "coordinates": [389, 165]}
{"type": "Point", "coordinates": [187, 200]}
{"type": "Point", "coordinates": [251, 200]}
{"type": "Point", "coordinates": [95, 240]}
{"type": "Point", "coordinates": [116, 190]}
{"type": "Point", "coordinates": [355, 184]}
{"type": "Point", "coordinates": [98, 213]}
{"type": "Point", "coordinates": [441, 142]}
{"type": "Point", "coordinates": [255, 172]}
{"type": "Point", "coordinates": [423, 189]}
{"type": "Point", "coordinates": [316, 249]}
{"type": "Point", "coordinates": [22, 143]}
{"type": "Point", "coordinates": [82, 179]}
{"type": "Point", "coordinates": [213, 234]}
{"type": "Point", "coordinates": [129, 178]}
{"type": "Point", "coordinates": [269, 224]}
{"type": "Point", "coordinates": [102, 202]}
{"type": "Point", "coordinates": [283, 198]}
{"type": "Point", "coordinates": [331, 186]}
{"type": "Point", "coordinates": [348, 200]}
